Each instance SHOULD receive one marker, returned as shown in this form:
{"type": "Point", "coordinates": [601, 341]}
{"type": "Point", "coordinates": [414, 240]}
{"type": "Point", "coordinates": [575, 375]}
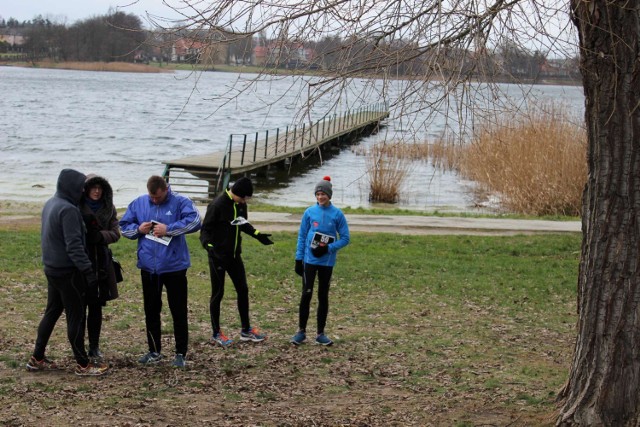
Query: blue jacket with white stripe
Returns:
{"type": "Point", "coordinates": [181, 217]}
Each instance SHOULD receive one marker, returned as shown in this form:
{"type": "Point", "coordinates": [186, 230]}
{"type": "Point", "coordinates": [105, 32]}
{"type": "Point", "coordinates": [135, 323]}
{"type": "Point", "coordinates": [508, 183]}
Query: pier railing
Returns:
{"type": "Point", "coordinates": [251, 148]}
{"type": "Point", "coordinates": [259, 150]}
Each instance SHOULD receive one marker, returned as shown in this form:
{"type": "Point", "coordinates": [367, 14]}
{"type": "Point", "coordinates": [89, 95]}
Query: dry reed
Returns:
{"type": "Point", "coordinates": [125, 67]}
{"type": "Point", "coordinates": [387, 170]}
{"type": "Point", "coordinates": [536, 161]}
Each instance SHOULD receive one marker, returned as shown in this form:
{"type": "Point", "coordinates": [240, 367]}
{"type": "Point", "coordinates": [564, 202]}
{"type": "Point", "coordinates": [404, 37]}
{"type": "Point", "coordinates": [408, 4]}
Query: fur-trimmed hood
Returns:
{"type": "Point", "coordinates": [107, 191]}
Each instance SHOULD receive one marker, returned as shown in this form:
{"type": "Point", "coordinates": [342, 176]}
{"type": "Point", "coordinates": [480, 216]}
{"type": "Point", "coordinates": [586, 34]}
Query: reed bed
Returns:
{"type": "Point", "coordinates": [124, 67]}
{"type": "Point", "coordinates": [533, 161]}
{"type": "Point", "coordinates": [536, 161]}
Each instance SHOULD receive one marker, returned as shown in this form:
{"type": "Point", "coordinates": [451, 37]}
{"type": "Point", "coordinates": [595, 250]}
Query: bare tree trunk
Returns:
{"type": "Point", "coordinates": [604, 382]}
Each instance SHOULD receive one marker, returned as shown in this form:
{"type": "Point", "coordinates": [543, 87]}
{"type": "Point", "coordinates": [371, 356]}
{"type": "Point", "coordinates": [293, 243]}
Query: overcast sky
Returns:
{"type": "Point", "coordinates": [70, 11]}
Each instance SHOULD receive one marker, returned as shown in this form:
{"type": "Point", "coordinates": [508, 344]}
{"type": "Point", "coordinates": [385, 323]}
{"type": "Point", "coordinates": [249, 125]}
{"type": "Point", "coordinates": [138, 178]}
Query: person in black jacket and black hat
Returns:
{"type": "Point", "coordinates": [220, 235]}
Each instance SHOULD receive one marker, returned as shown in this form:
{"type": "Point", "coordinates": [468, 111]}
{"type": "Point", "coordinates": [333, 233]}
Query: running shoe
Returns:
{"type": "Point", "coordinates": [298, 338]}
{"type": "Point", "coordinates": [92, 369]}
{"type": "Point", "coordinates": [41, 365]}
{"type": "Point", "coordinates": [150, 358]}
{"type": "Point", "coordinates": [220, 339]}
{"type": "Point", "coordinates": [179, 361]}
{"type": "Point", "coordinates": [322, 339]}
{"type": "Point", "coordinates": [252, 335]}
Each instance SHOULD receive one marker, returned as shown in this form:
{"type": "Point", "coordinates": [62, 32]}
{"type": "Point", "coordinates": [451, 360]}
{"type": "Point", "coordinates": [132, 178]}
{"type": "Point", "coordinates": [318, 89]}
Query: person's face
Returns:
{"type": "Point", "coordinates": [95, 192]}
{"type": "Point", "coordinates": [322, 198]}
{"type": "Point", "coordinates": [159, 196]}
{"type": "Point", "coordinates": [239, 199]}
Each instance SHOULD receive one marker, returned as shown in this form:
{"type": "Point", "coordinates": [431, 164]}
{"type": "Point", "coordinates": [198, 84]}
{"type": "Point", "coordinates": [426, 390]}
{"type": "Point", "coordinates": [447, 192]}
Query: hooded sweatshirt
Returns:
{"type": "Point", "coordinates": [63, 232]}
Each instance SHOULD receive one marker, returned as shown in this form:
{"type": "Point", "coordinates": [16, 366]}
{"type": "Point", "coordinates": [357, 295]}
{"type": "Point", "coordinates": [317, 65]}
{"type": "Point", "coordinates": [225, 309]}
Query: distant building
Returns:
{"type": "Point", "coordinates": [194, 51]}
{"type": "Point", "coordinates": [186, 50]}
{"type": "Point", "coordinates": [284, 54]}
{"type": "Point", "coordinates": [12, 39]}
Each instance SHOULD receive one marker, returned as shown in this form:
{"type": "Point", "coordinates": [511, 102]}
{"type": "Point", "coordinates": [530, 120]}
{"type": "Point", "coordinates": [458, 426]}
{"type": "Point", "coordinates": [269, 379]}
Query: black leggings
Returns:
{"type": "Point", "coordinates": [94, 324]}
{"type": "Point", "coordinates": [324, 277]}
{"type": "Point", "coordinates": [234, 267]}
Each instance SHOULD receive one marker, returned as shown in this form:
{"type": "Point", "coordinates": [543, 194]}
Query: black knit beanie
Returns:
{"type": "Point", "coordinates": [324, 186]}
{"type": "Point", "coordinates": [242, 187]}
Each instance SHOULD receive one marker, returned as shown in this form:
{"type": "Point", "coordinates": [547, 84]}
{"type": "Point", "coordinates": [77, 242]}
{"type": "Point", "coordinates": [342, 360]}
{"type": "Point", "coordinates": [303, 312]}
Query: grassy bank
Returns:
{"type": "Point", "coordinates": [429, 330]}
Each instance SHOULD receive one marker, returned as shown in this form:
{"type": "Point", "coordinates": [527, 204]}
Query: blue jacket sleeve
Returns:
{"type": "Point", "coordinates": [302, 236]}
{"type": "Point", "coordinates": [129, 222]}
{"type": "Point", "coordinates": [343, 234]}
{"type": "Point", "coordinates": [189, 221]}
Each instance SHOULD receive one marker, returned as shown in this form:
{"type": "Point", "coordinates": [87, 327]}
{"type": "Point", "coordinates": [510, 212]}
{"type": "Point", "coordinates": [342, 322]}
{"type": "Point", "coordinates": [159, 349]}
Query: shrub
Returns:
{"type": "Point", "coordinates": [387, 168]}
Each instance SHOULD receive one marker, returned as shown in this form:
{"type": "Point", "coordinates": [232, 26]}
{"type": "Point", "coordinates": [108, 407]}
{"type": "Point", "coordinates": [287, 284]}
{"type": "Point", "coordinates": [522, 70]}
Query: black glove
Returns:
{"type": "Point", "coordinates": [95, 237]}
{"type": "Point", "coordinates": [93, 290]}
{"type": "Point", "coordinates": [320, 251]}
{"type": "Point", "coordinates": [299, 267]}
{"type": "Point", "coordinates": [264, 239]}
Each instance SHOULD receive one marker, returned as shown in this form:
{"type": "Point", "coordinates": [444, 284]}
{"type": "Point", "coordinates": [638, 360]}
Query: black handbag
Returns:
{"type": "Point", "coordinates": [117, 268]}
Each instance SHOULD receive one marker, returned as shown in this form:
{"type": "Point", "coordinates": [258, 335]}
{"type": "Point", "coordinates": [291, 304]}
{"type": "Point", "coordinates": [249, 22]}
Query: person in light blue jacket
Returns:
{"type": "Point", "coordinates": [323, 232]}
{"type": "Point", "coordinates": [160, 221]}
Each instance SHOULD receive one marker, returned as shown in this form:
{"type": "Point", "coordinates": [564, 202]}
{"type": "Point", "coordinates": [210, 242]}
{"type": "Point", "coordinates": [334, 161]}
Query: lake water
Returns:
{"type": "Point", "coordinates": [123, 125]}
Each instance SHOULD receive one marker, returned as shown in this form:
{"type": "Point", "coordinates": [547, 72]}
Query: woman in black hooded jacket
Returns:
{"type": "Point", "coordinates": [101, 219]}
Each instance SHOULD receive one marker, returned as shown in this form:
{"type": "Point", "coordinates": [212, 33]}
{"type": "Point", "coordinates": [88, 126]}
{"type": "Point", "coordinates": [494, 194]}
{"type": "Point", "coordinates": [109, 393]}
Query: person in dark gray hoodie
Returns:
{"type": "Point", "coordinates": [70, 280]}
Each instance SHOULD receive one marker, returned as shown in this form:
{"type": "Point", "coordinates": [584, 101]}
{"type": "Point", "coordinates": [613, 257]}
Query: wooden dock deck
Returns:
{"type": "Point", "coordinates": [203, 176]}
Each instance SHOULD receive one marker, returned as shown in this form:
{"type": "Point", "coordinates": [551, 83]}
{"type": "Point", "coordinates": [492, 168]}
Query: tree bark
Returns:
{"type": "Point", "coordinates": [604, 381]}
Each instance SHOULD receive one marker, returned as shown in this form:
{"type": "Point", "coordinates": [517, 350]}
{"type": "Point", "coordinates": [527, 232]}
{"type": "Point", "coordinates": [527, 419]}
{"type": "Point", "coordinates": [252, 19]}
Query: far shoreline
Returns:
{"type": "Point", "coordinates": [128, 67]}
{"type": "Point", "coordinates": [121, 67]}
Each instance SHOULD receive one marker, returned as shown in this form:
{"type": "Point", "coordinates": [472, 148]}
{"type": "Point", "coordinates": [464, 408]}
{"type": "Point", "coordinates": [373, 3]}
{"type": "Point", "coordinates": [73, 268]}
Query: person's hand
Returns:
{"type": "Point", "coordinates": [320, 251]}
{"type": "Point", "coordinates": [91, 222]}
{"type": "Point", "coordinates": [299, 269]}
{"type": "Point", "coordinates": [95, 237]}
{"type": "Point", "coordinates": [145, 227]}
{"type": "Point", "coordinates": [264, 239]}
{"type": "Point", "coordinates": [92, 292]}
{"type": "Point", "coordinates": [159, 229]}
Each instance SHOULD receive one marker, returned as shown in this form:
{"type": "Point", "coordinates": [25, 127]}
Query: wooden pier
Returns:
{"type": "Point", "coordinates": [202, 177]}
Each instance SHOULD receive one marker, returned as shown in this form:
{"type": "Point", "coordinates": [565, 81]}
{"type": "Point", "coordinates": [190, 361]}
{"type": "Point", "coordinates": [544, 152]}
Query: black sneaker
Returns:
{"type": "Point", "coordinates": [95, 353]}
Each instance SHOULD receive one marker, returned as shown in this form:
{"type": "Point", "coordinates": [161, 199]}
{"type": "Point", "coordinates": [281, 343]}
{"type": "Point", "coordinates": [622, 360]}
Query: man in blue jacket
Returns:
{"type": "Point", "coordinates": [159, 221]}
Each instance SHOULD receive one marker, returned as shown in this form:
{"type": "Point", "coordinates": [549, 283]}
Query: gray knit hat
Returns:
{"type": "Point", "coordinates": [324, 186]}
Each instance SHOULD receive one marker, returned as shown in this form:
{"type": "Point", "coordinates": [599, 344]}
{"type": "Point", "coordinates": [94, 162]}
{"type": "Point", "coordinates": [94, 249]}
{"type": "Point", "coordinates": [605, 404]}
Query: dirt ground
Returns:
{"type": "Point", "coordinates": [267, 384]}
{"type": "Point", "coordinates": [343, 385]}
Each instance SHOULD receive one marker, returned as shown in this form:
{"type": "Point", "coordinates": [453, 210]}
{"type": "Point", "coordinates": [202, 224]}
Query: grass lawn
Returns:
{"type": "Point", "coordinates": [428, 330]}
